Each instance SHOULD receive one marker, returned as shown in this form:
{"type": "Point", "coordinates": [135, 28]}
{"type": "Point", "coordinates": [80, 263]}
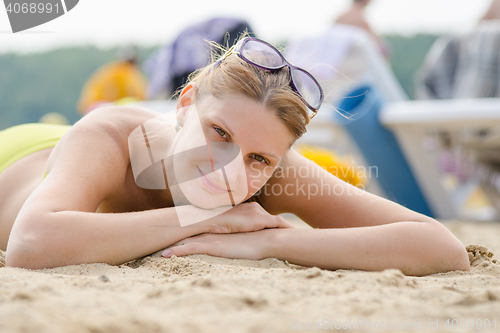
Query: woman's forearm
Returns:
{"type": "Point", "coordinates": [416, 248]}
{"type": "Point", "coordinates": [73, 237]}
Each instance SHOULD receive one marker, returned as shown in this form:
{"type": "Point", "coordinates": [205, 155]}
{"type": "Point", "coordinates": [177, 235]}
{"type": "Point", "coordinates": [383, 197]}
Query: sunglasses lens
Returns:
{"type": "Point", "coordinates": [307, 87]}
{"type": "Point", "coordinates": [262, 54]}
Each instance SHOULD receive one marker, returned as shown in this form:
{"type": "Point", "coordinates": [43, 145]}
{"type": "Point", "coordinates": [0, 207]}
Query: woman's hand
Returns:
{"type": "Point", "coordinates": [244, 218]}
{"type": "Point", "coordinates": [248, 245]}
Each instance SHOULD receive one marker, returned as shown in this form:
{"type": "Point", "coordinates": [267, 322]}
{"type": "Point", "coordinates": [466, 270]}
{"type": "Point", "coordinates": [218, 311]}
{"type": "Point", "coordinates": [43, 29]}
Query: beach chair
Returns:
{"type": "Point", "coordinates": [476, 122]}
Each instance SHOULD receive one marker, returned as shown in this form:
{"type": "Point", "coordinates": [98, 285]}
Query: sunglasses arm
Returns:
{"type": "Point", "coordinates": [224, 56]}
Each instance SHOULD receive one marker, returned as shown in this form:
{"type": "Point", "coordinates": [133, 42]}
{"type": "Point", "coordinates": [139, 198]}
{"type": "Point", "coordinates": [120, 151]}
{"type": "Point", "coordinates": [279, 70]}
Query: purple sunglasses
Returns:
{"type": "Point", "coordinates": [263, 55]}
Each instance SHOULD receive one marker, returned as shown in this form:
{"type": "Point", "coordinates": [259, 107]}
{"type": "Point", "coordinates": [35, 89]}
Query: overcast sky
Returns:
{"type": "Point", "coordinates": [147, 22]}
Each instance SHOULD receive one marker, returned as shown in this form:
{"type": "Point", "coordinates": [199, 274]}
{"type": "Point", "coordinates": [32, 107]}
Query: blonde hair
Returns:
{"type": "Point", "coordinates": [272, 88]}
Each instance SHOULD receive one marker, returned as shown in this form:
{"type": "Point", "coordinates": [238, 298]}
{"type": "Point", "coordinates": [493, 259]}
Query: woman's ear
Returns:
{"type": "Point", "coordinates": [188, 95]}
{"type": "Point", "coordinates": [186, 99]}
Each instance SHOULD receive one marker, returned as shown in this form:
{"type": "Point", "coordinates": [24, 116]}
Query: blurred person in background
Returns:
{"type": "Point", "coordinates": [117, 80]}
{"type": "Point", "coordinates": [169, 67]}
{"type": "Point", "coordinates": [345, 56]}
{"type": "Point", "coordinates": [464, 65]}
{"type": "Point", "coordinates": [355, 16]}
{"type": "Point", "coordinates": [493, 12]}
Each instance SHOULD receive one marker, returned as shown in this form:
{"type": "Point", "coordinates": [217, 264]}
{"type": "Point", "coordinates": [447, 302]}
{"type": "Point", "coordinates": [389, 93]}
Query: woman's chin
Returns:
{"type": "Point", "coordinates": [207, 204]}
{"type": "Point", "coordinates": [206, 200]}
{"type": "Point", "coordinates": [202, 196]}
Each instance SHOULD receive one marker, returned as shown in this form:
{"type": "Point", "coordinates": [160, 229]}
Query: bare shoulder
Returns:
{"type": "Point", "coordinates": [92, 157]}
{"type": "Point", "coordinates": [116, 121]}
{"type": "Point", "coordinates": [111, 125]}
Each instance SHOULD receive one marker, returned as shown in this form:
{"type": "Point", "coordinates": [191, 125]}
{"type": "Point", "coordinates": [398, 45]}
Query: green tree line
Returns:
{"type": "Point", "coordinates": [34, 84]}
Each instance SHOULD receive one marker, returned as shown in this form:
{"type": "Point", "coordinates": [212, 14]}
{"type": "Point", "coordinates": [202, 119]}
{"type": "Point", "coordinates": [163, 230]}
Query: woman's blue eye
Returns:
{"type": "Point", "coordinates": [221, 132]}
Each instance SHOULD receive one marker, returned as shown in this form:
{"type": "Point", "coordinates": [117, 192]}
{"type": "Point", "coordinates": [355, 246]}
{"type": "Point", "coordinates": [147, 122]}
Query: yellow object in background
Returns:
{"type": "Point", "coordinates": [337, 166]}
{"type": "Point", "coordinates": [112, 82]}
{"type": "Point", "coordinates": [55, 118]}
{"type": "Point", "coordinates": [126, 100]}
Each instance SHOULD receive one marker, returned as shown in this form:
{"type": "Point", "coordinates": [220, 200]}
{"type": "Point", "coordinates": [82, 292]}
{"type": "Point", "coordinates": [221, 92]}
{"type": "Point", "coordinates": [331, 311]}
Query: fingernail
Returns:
{"type": "Point", "coordinates": [167, 253]}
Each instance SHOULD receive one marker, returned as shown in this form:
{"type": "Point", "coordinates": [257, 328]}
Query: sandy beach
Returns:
{"type": "Point", "coordinates": [201, 293]}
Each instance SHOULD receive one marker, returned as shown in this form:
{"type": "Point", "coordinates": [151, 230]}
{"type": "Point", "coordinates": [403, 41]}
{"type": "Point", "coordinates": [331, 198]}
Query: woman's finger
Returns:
{"type": "Point", "coordinates": [271, 222]}
{"type": "Point", "coordinates": [185, 249]}
{"type": "Point", "coordinates": [182, 242]}
{"type": "Point", "coordinates": [282, 223]}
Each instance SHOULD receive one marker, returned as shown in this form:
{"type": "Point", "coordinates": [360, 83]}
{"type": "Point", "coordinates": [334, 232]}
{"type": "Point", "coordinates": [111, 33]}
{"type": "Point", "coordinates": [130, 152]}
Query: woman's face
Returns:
{"type": "Point", "coordinates": [227, 150]}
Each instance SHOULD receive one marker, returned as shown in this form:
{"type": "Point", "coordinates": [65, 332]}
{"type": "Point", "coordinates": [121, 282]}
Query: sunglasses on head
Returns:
{"type": "Point", "coordinates": [263, 55]}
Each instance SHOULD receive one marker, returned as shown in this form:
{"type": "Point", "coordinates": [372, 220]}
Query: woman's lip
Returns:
{"type": "Point", "coordinates": [211, 186]}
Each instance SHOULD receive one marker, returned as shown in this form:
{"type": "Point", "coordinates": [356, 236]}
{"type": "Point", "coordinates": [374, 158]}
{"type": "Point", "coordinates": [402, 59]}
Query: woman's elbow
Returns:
{"type": "Point", "coordinates": [445, 260]}
{"type": "Point", "coordinates": [458, 258]}
{"type": "Point", "coordinates": [439, 252]}
{"type": "Point", "coordinates": [31, 257]}
{"type": "Point", "coordinates": [21, 254]}
{"type": "Point", "coordinates": [449, 255]}
{"type": "Point", "coordinates": [28, 250]}
{"type": "Point", "coordinates": [452, 251]}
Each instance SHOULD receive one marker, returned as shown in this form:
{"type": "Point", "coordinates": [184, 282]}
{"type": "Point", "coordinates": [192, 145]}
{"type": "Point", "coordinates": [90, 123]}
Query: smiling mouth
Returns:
{"type": "Point", "coordinates": [215, 188]}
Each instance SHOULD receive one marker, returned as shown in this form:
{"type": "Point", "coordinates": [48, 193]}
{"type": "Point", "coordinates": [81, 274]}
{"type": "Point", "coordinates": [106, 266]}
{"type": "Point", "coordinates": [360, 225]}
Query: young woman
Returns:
{"type": "Point", "coordinates": [89, 207]}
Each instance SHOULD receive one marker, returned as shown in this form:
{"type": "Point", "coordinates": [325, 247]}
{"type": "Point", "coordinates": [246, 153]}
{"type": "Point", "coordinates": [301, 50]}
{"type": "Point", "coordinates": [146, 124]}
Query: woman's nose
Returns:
{"type": "Point", "coordinates": [228, 156]}
{"type": "Point", "coordinates": [232, 171]}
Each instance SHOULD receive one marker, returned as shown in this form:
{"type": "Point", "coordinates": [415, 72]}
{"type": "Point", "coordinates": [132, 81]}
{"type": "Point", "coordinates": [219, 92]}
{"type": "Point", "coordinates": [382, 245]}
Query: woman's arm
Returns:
{"type": "Point", "coordinates": [58, 224]}
{"type": "Point", "coordinates": [416, 248]}
{"type": "Point", "coordinates": [351, 229]}
{"type": "Point", "coordinates": [362, 229]}
{"type": "Point", "coordinates": [52, 239]}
